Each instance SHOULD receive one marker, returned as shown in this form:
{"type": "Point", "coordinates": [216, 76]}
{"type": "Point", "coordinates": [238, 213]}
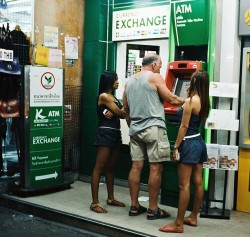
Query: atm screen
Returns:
{"type": "Point", "coordinates": [181, 87]}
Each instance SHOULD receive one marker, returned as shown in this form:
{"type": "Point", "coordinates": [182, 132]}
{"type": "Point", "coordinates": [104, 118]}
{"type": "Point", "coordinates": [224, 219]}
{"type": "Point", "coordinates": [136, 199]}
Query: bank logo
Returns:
{"type": "Point", "coordinates": [39, 114]}
{"type": "Point", "coordinates": [247, 17]}
{"type": "Point", "coordinates": [48, 80]}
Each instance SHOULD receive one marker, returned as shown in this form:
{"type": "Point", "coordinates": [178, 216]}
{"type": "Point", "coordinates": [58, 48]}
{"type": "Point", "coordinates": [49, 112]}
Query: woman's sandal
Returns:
{"type": "Point", "coordinates": [171, 229]}
{"type": "Point", "coordinates": [135, 211]}
{"type": "Point", "coordinates": [190, 222]}
{"type": "Point", "coordinates": [115, 202]}
{"type": "Point", "coordinates": [97, 208]}
{"type": "Point", "coordinates": [159, 214]}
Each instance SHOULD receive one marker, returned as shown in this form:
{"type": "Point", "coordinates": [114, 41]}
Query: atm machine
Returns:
{"type": "Point", "coordinates": [178, 77]}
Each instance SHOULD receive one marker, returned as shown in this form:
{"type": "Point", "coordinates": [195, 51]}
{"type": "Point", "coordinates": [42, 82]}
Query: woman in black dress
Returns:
{"type": "Point", "coordinates": [108, 139]}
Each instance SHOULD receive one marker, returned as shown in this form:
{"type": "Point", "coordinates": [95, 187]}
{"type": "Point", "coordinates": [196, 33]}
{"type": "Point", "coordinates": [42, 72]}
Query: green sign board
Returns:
{"type": "Point", "coordinates": [190, 22]}
{"type": "Point", "coordinates": [46, 126]}
{"type": "Point", "coordinates": [45, 156]}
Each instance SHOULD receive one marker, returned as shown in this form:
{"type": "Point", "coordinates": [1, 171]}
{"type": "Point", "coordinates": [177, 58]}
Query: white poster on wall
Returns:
{"type": "Point", "coordinates": [51, 37]}
{"type": "Point", "coordinates": [71, 48]}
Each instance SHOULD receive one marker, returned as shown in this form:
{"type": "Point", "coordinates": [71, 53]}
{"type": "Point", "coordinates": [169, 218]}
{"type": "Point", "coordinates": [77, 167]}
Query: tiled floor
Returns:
{"type": "Point", "coordinates": [76, 201]}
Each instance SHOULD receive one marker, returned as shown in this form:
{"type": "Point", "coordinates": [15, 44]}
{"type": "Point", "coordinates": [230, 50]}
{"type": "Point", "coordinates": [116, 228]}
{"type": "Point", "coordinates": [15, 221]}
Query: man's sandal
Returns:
{"type": "Point", "coordinates": [158, 214]}
{"type": "Point", "coordinates": [115, 202]}
{"type": "Point", "coordinates": [135, 211]}
{"type": "Point", "coordinates": [97, 208]}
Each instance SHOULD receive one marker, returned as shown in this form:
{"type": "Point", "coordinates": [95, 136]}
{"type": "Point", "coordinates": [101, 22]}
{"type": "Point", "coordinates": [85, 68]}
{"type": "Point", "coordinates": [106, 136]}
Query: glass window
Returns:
{"type": "Point", "coordinates": [18, 13]}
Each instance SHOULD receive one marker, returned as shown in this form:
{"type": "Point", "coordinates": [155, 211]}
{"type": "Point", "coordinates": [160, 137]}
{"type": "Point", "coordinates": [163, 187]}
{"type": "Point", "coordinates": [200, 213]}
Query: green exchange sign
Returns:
{"type": "Point", "coordinates": [46, 146]}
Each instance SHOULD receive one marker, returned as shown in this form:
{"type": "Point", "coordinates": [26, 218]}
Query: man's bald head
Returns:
{"type": "Point", "coordinates": [150, 58]}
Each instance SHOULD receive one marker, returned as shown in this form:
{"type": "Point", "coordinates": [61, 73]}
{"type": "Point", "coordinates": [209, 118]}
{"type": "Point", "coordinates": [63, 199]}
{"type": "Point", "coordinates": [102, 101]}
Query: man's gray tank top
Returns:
{"type": "Point", "coordinates": [145, 106]}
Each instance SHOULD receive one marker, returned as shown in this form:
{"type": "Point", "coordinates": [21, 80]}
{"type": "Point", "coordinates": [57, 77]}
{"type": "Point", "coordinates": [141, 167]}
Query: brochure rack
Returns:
{"type": "Point", "coordinates": [206, 211]}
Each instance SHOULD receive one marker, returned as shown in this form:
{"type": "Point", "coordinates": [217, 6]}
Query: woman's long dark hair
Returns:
{"type": "Point", "coordinates": [200, 84]}
{"type": "Point", "coordinates": [107, 80]}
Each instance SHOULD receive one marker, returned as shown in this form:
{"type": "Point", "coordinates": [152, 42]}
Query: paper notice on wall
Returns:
{"type": "Point", "coordinates": [42, 55]}
{"type": "Point", "coordinates": [51, 37]}
{"type": "Point", "coordinates": [55, 58]}
{"type": "Point", "coordinates": [71, 48]}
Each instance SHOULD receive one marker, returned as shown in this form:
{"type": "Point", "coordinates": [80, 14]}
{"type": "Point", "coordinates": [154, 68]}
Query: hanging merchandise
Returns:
{"type": "Point", "coordinates": [10, 67]}
{"type": "Point", "coordinates": [6, 39]}
{"type": "Point", "coordinates": [10, 78]}
{"type": "Point", "coordinates": [2, 37]}
{"type": "Point", "coordinates": [20, 46]}
{"type": "Point", "coordinates": [9, 103]}
{"type": "Point", "coordinates": [3, 130]}
{"type": "Point", "coordinates": [9, 113]}
{"type": "Point", "coordinates": [9, 109]}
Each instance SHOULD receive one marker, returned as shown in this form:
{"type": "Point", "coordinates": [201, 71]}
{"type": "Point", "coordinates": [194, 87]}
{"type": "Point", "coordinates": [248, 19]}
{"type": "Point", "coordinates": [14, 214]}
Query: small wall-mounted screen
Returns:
{"type": "Point", "coordinates": [181, 87]}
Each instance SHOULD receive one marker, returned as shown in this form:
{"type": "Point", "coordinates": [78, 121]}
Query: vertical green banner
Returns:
{"type": "Point", "coordinates": [46, 126]}
{"type": "Point", "coordinates": [190, 21]}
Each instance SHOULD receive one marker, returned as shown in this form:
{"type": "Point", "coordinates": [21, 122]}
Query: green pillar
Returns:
{"type": "Point", "coordinates": [94, 62]}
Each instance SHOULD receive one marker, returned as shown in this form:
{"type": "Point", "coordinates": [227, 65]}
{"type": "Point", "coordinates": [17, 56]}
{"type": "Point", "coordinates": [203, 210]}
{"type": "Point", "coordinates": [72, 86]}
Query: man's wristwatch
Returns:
{"type": "Point", "coordinates": [175, 147]}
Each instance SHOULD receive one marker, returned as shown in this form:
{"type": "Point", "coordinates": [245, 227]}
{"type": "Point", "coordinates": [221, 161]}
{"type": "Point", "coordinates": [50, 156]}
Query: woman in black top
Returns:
{"type": "Point", "coordinates": [108, 139]}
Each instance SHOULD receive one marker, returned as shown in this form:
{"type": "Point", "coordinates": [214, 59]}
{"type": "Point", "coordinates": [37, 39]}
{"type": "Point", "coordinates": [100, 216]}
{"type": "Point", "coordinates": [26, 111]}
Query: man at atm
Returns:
{"type": "Point", "coordinates": [143, 102]}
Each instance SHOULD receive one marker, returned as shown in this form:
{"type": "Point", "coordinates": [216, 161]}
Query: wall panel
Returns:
{"type": "Point", "coordinates": [68, 16]}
